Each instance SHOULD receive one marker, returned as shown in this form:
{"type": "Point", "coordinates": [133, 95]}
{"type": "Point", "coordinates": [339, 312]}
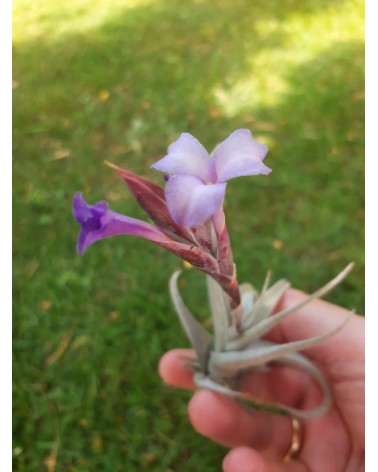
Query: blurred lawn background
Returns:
{"type": "Point", "coordinates": [120, 80]}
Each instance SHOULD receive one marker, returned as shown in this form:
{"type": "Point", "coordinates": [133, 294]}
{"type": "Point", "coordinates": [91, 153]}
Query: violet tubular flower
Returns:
{"type": "Point", "coordinates": [196, 188]}
{"type": "Point", "coordinates": [99, 222]}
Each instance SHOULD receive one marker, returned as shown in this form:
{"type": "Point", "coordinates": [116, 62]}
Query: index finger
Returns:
{"type": "Point", "coordinates": [173, 368]}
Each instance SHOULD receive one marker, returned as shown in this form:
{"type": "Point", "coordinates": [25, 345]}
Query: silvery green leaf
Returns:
{"type": "Point", "coordinates": [266, 281]}
{"type": "Point", "coordinates": [258, 330]}
{"type": "Point", "coordinates": [204, 381]}
{"type": "Point", "coordinates": [248, 308]}
{"type": "Point", "coordinates": [267, 301]}
{"type": "Point", "coordinates": [262, 352]}
{"type": "Point", "coordinates": [248, 295]}
{"type": "Point", "coordinates": [220, 312]}
{"type": "Point", "coordinates": [262, 308]}
{"type": "Point", "coordinates": [201, 340]}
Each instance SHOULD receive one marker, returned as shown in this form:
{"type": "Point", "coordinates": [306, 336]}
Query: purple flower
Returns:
{"type": "Point", "coordinates": [196, 188]}
{"type": "Point", "coordinates": [99, 222]}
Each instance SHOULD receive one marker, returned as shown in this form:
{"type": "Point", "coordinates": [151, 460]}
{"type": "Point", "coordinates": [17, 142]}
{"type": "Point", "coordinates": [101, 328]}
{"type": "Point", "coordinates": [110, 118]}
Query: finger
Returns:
{"type": "Point", "coordinates": [173, 368]}
{"type": "Point", "coordinates": [316, 318]}
{"type": "Point", "coordinates": [227, 422]}
{"type": "Point", "coordinates": [243, 459]}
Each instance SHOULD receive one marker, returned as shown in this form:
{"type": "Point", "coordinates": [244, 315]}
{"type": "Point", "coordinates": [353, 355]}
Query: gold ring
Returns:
{"type": "Point", "coordinates": [296, 439]}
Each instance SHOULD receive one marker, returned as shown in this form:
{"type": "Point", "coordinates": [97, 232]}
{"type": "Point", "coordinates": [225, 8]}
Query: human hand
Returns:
{"type": "Point", "coordinates": [333, 442]}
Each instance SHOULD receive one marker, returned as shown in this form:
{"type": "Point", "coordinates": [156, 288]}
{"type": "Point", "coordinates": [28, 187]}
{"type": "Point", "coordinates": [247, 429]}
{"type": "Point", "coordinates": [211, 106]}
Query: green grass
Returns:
{"type": "Point", "coordinates": [117, 80]}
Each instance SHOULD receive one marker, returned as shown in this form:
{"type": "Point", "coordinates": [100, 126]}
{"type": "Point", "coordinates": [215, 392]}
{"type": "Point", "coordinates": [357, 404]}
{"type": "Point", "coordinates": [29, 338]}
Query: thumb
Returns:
{"type": "Point", "coordinates": [316, 318]}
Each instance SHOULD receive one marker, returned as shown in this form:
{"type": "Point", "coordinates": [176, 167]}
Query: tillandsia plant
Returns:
{"type": "Point", "coordinates": [188, 220]}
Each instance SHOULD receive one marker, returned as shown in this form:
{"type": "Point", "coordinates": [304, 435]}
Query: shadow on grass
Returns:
{"type": "Point", "coordinates": [123, 92]}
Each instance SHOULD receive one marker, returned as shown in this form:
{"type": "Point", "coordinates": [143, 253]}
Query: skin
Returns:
{"type": "Point", "coordinates": [334, 442]}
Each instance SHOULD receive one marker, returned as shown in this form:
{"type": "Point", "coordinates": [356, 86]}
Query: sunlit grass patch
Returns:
{"type": "Point", "coordinates": [52, 20]}
{"type": "Point", "coordinates": [295, 40]}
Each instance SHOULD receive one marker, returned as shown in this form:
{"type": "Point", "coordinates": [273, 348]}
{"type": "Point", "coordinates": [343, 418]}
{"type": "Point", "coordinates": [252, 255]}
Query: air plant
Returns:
{"type": "Point", "coordinates": [188, 220]}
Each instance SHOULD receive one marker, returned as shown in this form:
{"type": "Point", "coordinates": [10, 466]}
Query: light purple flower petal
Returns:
{"type": "Point", "coordinates": [187, 156]}
{"type": "Point", "coordinates": [190, 201]}
{"type": "Point", "coordinates": [239, 155]}
{"type": "Point", "coordinates": [98, 222]}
